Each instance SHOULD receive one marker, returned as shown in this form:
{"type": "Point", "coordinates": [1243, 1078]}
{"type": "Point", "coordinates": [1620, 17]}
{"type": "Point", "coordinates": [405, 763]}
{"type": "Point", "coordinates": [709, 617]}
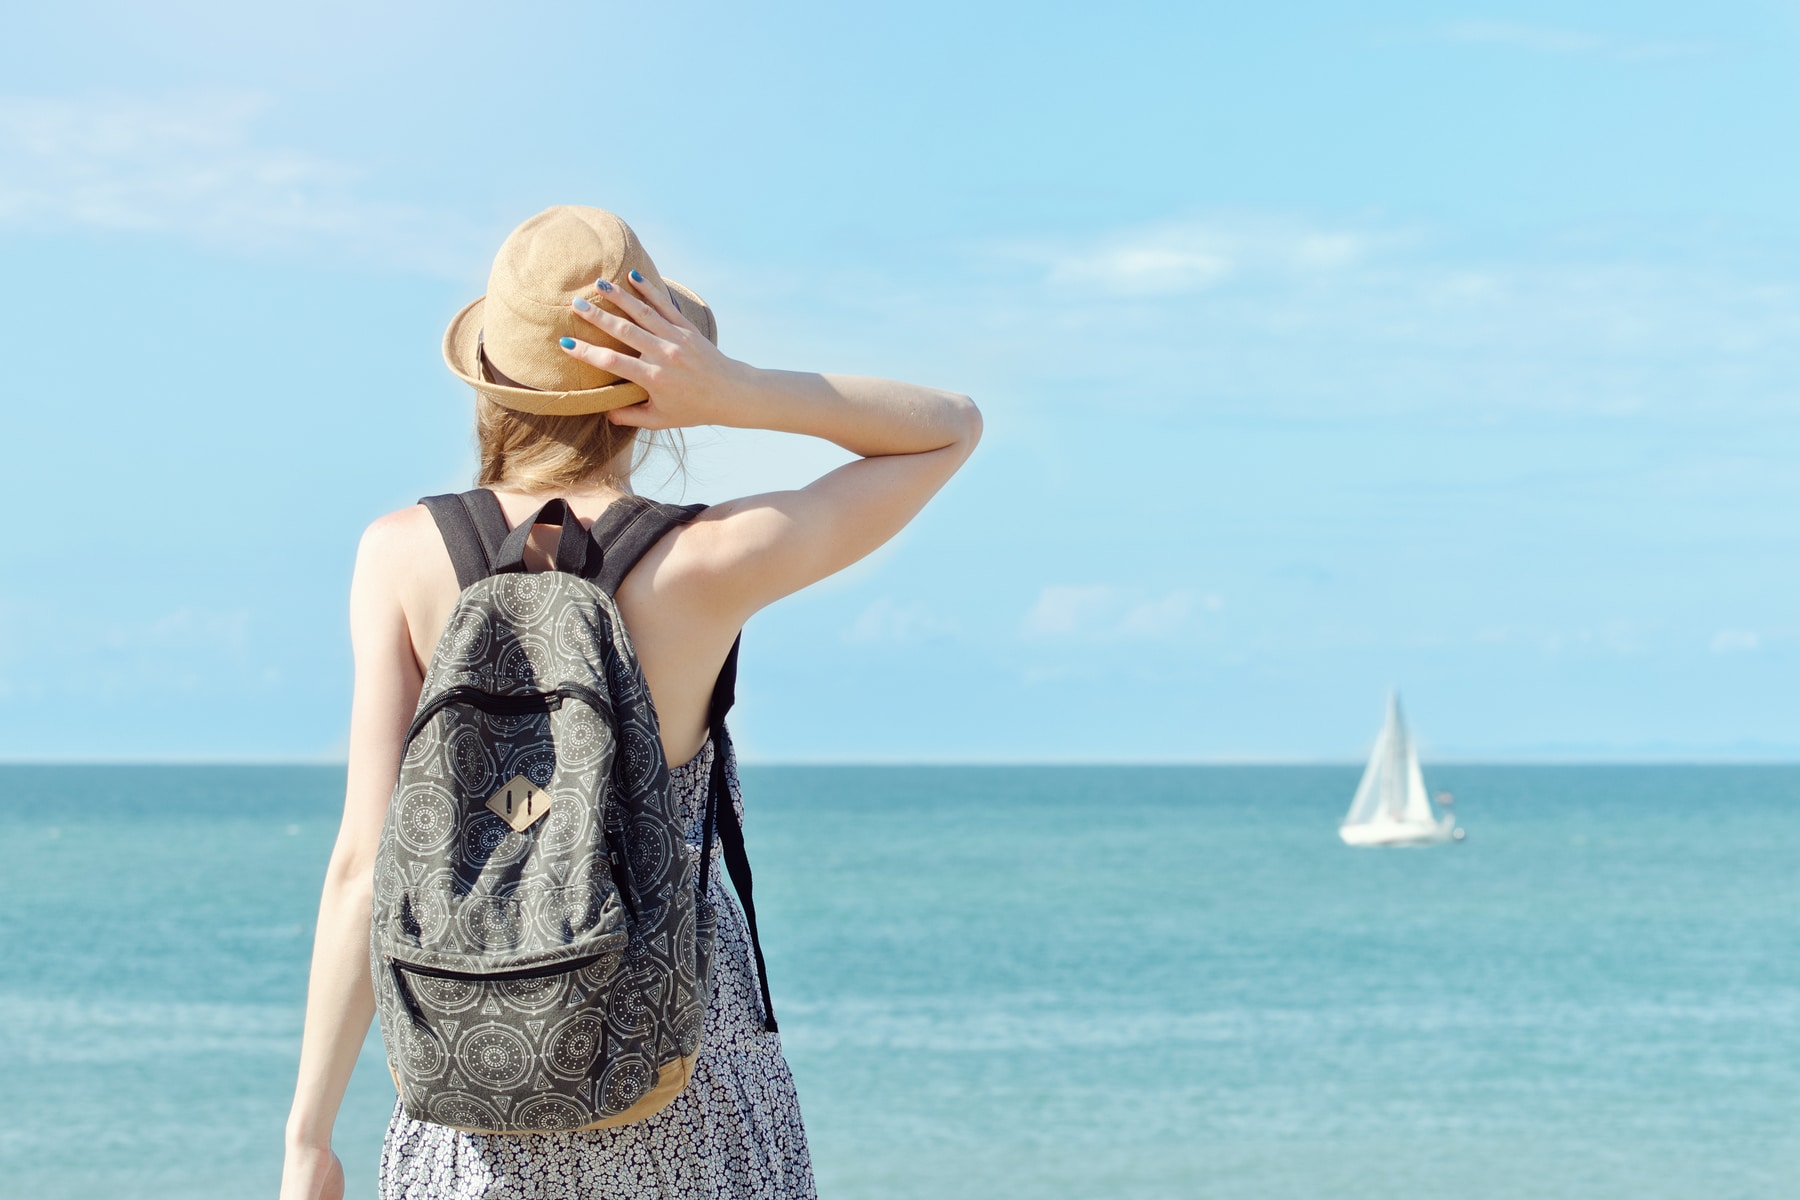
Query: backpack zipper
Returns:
{"type": "Point", "coordinates": [560, 967]}
{"type": "Point", "coordinates": [507, 705]}
{"type": "Point", "coordinates": [398, 970]}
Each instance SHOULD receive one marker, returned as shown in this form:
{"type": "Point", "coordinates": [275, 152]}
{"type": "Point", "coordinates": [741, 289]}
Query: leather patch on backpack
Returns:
{"type": "Point", "coordinates": [519, 803]}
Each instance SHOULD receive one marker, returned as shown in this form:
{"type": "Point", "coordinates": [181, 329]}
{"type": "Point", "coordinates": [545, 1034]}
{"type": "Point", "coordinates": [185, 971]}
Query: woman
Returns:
{"type": "Point", "coordinates": [578, 346]}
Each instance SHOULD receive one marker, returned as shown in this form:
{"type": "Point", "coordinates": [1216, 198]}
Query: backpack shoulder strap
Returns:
{"type": "Point", "coordinates": [473, 528]}
{"type": "Point", "coordinates": [722, 822]}
{"type": "Point", "coordinates": [626, 531]}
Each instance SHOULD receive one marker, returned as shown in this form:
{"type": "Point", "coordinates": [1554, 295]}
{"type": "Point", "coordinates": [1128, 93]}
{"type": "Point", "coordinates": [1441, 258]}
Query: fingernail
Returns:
{"type": "Point", "coordinates": [566, 343]}
{"type": "Point", "coordinates": [603, 285]}
{"type": "Point", "coordinates": [635, 277]}
{"type": "Point", "coordinates": [582, 305]}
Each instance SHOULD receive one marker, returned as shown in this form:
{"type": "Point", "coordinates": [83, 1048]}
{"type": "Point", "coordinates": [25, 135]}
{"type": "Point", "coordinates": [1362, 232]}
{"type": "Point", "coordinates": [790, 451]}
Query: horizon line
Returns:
{"type": "Point", "coordinates": [1785, 759]}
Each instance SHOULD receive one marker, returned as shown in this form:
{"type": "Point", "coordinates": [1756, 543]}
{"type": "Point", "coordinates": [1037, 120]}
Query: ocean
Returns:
{"type": "Point", "coordinates": [1015, 982]}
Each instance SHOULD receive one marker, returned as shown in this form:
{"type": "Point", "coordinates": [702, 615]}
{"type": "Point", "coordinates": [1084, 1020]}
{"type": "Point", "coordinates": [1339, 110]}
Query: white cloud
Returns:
{"type": "Point", "coordinates": [1098, 612]}
{"type": "Point", "coordinates": [1157, 618]}
{"type": "Point", "coordinates": [1290, 318]}
{"type": "Point", "coordinates": [191, 166]}
{"type": "Point", "coordinates": [1189, 256]}
{"type": "Point", "coordinates": [886, 621]}
{"type": "Point", "coordinates": [1544, 39]}
{"type": "Point", "coordinates": [1061, 609]}
{"type": "Point", "coordinates": [1152, 268]}
{"type": "Point", "coordinates": [1736, 641]}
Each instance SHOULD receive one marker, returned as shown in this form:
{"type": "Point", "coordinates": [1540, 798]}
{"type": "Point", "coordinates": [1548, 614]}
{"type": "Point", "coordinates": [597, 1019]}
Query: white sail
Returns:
{"type": "Point", "coordinates": [1418, 800]}
{"type": "Point", "coordinates": [1391, 806]}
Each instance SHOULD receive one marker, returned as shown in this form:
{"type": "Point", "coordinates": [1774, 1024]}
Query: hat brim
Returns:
{"type": "Point", "coordinates": [462, 341]}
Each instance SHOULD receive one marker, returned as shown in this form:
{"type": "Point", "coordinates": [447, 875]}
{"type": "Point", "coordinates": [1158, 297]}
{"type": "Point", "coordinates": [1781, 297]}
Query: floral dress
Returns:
{"type": "Point", "coordinates": [734, 1131]}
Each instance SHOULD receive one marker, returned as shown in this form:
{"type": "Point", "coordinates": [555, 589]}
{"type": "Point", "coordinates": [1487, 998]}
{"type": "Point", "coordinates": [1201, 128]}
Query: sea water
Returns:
{"type": "Point", "coordinates": [1014, 982]}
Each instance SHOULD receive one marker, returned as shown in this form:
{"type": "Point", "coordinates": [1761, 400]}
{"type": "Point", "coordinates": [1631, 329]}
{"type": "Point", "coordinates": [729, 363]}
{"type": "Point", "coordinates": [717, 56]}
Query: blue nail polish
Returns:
{"type": "Point", "coordinates": [635, 277]}
{"type": "Point", "coordinates": [582, 305]}
{"type": "Point", "coordinates": [566, 343]}
{"type": "Point", "coordinates": [603, 285]}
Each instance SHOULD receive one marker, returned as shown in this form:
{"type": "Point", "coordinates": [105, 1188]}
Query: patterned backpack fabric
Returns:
{"type": "Point", "coordinates": [541, 939]}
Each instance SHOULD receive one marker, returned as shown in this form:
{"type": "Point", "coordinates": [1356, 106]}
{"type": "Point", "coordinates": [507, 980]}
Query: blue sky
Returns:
{"type": "Point", "coordinates": [1323, 348]}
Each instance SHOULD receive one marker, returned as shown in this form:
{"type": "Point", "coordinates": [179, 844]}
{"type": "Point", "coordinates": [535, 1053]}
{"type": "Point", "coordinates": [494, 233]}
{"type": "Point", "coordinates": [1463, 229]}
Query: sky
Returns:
{"type": "Point", "coordinates": [1323, 349]}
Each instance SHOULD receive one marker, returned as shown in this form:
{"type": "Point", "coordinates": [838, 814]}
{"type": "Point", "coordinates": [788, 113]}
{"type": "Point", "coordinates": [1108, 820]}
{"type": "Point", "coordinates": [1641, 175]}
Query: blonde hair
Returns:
{"type": "Point", "coordinates": [529, 452]}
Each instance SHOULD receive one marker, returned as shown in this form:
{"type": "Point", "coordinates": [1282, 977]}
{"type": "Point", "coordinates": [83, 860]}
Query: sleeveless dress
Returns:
{"type": "Point", "coordinates": [734, 1131]}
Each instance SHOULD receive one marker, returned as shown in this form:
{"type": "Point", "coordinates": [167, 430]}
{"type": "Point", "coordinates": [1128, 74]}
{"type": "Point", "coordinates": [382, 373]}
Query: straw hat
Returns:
{"type": "Point", "coordinates": [504, 344]}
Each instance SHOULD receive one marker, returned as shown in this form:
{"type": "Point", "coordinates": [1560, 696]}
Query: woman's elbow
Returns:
{"type": "Point", "coordinates": [350, 876]}
{"type": "Point", "coordinates": [968, 423]}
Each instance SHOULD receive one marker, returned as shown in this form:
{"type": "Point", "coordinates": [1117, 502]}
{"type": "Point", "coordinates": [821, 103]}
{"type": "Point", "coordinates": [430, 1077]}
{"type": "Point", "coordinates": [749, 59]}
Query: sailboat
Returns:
{"type": "Point", "coordinates": [1392, 807]}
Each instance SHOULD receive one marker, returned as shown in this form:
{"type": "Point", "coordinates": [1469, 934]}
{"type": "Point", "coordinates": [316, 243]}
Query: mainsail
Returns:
{"type": "Point", "coordinates": [1391, 803]}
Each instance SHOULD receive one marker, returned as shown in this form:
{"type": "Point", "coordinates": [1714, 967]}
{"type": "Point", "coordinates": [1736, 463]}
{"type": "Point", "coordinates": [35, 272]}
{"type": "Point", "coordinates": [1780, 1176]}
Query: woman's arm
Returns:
{"type": "Point", "coordinates": [760, 548]}
{"type": "Point", "coordinates": [340, 999]}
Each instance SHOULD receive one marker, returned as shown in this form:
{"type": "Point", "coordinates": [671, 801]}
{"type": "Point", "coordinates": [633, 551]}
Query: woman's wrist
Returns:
{"type": "Point", "coordinates": [802, 402]}
{"type": "Point", "coordinates": [750, 399]}
{"type": "Point", "coordinates": [307, 1134]}
{"type": "Point", "coordinates": [863, 415]}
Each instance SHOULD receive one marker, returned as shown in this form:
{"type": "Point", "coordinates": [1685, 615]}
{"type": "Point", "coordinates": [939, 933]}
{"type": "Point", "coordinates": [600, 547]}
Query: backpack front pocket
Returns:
{"type": "Point", "coordinates": [492, 1046]}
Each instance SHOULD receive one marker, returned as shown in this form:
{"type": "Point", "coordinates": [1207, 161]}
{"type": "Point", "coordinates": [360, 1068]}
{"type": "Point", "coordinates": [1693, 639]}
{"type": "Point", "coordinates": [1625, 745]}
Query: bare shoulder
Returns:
{"type": "Point", "coordinates": [402, 554]}
{"type": "Point", "coordinates": [698, 554]}
{"type": "Point", "coordinates": [731, 530]}
{"type": "Point", "coordinates": [403, 588]}
{"type": "Point", "coordinates": [392, 530]}
{"type": "Point", "coordinates": [743, 554]}
{"type": "Point", "coordinates": [405, 538]}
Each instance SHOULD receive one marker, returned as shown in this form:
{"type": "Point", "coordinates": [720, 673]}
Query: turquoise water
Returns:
{"type": "Point", "coordinates": [1016, 982]}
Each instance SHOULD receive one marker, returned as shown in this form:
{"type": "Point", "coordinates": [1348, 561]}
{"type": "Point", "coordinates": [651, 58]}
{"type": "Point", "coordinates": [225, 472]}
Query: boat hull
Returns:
{"type": "Point", "coordinates": [1401, 833]}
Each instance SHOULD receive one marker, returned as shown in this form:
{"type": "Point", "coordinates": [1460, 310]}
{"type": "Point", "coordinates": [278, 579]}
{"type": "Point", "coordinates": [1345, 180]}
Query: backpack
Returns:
{"type": "Point", "coordinates": [541, 938]}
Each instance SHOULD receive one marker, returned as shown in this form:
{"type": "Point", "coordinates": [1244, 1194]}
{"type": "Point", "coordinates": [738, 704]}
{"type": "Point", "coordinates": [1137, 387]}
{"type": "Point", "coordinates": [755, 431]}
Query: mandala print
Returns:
{"type": "Point", "coordinates": [426, 817]}
{"type": "Point", "coordinates": [734, 1133]}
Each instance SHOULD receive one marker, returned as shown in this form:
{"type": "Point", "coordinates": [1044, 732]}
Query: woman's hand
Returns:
{"type": "Point", "coordinates": [690, 382]}
{"type": "Point", "coordinates": [312, 1173]}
